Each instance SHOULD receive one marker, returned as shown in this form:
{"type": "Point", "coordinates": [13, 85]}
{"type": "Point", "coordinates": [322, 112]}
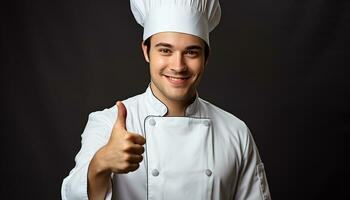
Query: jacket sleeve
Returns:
{"type": "Point", "coordinates": [95, 135]}
{"type": "Point", "coordinates": [252, 183]}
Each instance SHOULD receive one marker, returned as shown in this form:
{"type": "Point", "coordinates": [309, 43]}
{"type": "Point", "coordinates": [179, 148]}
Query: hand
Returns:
{"type": "Point", "coordinates": [123, 152]}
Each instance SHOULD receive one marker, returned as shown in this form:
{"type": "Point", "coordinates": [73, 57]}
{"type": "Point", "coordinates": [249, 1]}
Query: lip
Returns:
{"type": "Point", "coordinates": [177, 80]}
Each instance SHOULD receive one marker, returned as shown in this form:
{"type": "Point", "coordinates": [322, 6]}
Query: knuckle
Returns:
{"type": "Point", "coordinates": [126, 147]}
{"type": "Point", "coordinates": [128, 136]}
{"type": "Point", "coordinates": [125, 166]}
{"type": "Point", "coordinates": [127, 157]}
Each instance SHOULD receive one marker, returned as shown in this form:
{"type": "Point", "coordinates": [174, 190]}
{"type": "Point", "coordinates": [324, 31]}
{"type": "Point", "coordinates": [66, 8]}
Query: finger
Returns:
{"type": "Point", "coordinates": [133, 167]}
{"type": "Point", "coordinates": [128, 167]}
{"type": "Point", "coordinates": [121, 119]}
{"type": "Point", "coordinates": [135, 138]}
{"type": "Point", "coordinates": [133, 158]}
{"type": "Point", "coordinates": [134, 148]}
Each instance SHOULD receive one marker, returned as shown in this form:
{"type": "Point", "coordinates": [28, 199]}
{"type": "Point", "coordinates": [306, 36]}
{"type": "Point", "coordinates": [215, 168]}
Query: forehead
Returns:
{"type": "Point", "coordinates": [177, 39]}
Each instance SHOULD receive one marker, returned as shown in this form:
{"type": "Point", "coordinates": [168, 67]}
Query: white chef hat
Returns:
{"type": "Point", "coordinates": [195, 17]}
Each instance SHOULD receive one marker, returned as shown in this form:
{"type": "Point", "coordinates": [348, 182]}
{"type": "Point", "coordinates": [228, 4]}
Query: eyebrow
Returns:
{"type": "Point", "coordinates": [163, 44]}
{"type": "Point", "coordinates": [194, 47]}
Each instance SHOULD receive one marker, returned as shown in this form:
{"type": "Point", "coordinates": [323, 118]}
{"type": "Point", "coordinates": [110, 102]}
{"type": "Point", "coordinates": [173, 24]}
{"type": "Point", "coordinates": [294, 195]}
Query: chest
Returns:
{"type": "Point", "coordinates": [185, 158]}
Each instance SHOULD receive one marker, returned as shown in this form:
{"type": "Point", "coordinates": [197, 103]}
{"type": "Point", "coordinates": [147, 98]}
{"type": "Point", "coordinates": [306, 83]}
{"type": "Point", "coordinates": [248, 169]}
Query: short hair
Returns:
{"type": "Point", "coordinates": [147, 43]}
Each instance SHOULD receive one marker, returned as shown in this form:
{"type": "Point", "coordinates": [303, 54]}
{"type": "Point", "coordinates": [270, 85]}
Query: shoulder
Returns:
{"type": "Point", "coordinates": [105, 116]}
{"type": "Point", "coordinates": [229, 129]}
{"type": "Point", "coordinates": [109, 115]}
{"type": "Point", "coordinates": [226, 126]}
{"type": "Point", "coordinates": [217, 114]}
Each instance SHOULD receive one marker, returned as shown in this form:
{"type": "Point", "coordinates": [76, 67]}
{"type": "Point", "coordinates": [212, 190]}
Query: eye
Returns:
{"type": "Point", "coordinates": [164, 51]}
{"type": "Point", "coordinates": [192, 53]}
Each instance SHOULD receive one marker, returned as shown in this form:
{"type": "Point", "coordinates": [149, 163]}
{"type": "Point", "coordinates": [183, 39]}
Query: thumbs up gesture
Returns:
{"type": "Point", "coordinates": [123, 152]}
{"type": "Point", "coordinates": [126, 147]}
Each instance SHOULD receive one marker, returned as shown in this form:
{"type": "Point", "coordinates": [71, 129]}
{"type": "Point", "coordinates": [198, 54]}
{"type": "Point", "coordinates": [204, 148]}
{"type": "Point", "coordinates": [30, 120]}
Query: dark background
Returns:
{"type": "Point", "coordinates": [281, 66]}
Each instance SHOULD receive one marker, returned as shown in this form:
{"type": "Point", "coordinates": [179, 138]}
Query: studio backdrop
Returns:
{"type": "Point", "coordinates": [280, 66]}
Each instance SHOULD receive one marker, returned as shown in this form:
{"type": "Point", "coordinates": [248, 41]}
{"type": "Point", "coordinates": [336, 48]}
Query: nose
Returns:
{"type": "Point", "coordinates": [178, 64]}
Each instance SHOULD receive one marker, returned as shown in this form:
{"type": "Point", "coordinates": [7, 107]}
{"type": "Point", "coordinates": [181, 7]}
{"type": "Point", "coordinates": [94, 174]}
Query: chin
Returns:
{"type": "Point", "coordinates": [179, 96]}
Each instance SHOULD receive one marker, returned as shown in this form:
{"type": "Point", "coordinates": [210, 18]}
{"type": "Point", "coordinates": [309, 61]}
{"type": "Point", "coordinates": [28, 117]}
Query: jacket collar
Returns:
{"type": "Point", "coordinates": [158, 108]}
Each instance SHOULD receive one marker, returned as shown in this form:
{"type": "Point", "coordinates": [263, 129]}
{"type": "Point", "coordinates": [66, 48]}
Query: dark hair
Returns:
{"type": "Point", "coordinates": [147, 42]}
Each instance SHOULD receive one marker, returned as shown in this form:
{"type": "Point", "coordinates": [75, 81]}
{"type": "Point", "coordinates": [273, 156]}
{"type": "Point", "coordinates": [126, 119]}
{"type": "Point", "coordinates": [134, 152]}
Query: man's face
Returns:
{"type": "Point", "coordinates": [176, 65]}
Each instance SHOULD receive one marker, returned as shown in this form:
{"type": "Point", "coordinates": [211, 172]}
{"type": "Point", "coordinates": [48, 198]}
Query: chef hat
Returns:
{"type": "Point", "coordinates": [195, 17]}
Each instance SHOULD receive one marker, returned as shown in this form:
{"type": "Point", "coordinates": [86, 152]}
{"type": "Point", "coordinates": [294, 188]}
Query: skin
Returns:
{"type": "Point", "coordinates": [177, 55]}
{"type": "Point", "coordinates": [176, 63]}
{"type": "Point", "coordinates": [121, 154]}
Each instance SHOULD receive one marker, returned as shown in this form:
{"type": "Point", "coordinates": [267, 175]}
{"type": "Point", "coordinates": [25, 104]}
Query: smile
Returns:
{"type": "Point", "coordinates": [176, 80]}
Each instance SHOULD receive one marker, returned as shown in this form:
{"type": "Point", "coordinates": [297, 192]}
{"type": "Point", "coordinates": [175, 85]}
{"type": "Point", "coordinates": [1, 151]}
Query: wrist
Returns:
{"type": "Point", "coordinates": [98, 166]}
{"type": "Point", "coordinates": [99, 177]}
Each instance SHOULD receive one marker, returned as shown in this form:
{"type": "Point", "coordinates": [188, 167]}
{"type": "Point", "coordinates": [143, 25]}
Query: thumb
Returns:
{"type": "Point", "coordinates": [121, 119]}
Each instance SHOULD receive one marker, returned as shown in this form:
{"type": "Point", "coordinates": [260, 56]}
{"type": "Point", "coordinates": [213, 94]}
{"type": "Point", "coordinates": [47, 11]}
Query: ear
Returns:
{"type": "Point", "coordinates": [145, 51]}
{"type": "Point", "coordinates": [206, 62]}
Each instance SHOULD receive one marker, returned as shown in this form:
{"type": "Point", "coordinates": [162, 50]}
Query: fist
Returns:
{"type": "Point", "coordinates": [123, 152]}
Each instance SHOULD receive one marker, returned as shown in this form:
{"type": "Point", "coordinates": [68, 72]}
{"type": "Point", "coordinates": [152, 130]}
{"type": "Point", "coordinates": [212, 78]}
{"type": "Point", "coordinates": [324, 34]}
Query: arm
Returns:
{"type": "Point", "coordinates": [98, 177]}
{"type": "Point", "coordinates": [252, 183]}
{"type": "Point", "coordinates": [95, 135]}
{"type": "Point", "coordinates": [105, 150]}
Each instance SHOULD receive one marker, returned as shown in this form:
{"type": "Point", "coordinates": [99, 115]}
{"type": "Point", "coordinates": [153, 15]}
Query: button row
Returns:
{"type": "Point", "coordinates": [152, 122]}
{"type": "Point", "coordinates": [155, 172]}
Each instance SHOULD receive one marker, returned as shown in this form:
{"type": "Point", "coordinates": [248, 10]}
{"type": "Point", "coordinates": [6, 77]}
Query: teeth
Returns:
{"type": "Point", "coordinates": [175, 78]}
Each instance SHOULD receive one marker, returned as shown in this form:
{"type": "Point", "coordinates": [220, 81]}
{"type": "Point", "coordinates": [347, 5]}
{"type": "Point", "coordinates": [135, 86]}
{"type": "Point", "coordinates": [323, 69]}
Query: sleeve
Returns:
{"type": "Point", "coordinates": [95, 135]}
{"type": "Point", "coordinates": [252, 183]}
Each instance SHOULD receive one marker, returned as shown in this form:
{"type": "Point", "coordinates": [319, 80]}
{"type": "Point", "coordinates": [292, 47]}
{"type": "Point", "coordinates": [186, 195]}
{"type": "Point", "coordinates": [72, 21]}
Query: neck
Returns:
{"type": "Point", "coordinates": [176, 108]}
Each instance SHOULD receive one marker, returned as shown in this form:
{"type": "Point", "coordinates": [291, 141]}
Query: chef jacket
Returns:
{"type": "Point", "coordinates": [207, 154]}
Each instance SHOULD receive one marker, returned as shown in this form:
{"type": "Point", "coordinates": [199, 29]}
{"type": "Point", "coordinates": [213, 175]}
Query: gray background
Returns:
{"type": "Point", "coordinates": [280, 66]}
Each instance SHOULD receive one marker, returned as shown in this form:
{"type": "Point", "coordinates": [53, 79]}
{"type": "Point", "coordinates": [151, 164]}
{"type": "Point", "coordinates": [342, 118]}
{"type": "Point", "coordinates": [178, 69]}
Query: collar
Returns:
{"type": "Point", "coordinates": [158, 108]}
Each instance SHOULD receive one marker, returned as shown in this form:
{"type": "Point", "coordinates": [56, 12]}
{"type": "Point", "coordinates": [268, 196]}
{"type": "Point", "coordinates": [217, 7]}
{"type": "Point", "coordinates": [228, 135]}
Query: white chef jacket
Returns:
{"type": "Point", "coordinates": [207, 154]}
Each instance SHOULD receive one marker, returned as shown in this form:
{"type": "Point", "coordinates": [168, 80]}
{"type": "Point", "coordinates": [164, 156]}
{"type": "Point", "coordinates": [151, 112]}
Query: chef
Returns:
{"type": "Point", "coordinates": [168, 143]}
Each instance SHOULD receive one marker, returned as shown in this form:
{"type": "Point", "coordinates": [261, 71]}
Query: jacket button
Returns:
{"type": "Point", "coordinates": [208, 172]}
{"type": "Point", "coordinates": [155, 172]}
{"type": "Point", "coordinates": [206, 123]}
{"type": "Point", "coordinates": [152, 122]}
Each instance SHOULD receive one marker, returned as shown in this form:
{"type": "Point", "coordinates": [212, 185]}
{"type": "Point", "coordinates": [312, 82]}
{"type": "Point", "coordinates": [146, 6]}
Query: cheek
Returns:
{"type": "Point", "coordinates": [157, 66]}
{"type": "Point", "coordinates": [160, 62]}
{"type": "Point", "coordinates": [157, 61]}
{"type": "Point", "coordinates": [197, 67]}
